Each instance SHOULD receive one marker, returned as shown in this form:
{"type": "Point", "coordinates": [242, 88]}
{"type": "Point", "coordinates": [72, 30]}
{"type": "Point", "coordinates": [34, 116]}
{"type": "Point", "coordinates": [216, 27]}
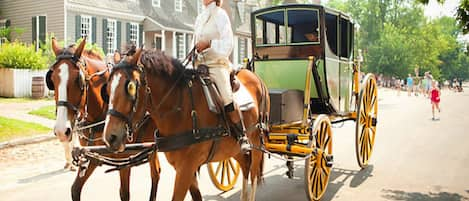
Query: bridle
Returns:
{"type": "Point", "coordinates": [81, 65]}
{"type": "Point", "coordinates": [130, 85]}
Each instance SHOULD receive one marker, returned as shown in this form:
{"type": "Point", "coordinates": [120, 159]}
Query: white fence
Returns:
{"type": "Point", "coordinates": [18, 82]}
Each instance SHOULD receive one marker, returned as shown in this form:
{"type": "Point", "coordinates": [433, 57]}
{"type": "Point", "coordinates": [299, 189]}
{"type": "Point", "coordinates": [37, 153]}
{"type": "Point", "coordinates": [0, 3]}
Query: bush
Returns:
{"type": "Point", "coordinates": [21, 56]}
{"type": "Point", "coordinates": [93, 47]}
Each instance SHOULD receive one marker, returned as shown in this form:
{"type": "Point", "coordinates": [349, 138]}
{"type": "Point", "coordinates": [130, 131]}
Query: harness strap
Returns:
{"type": "Point", "coordinates": [195, 129]}
{"type": "Point", "coordinates": [119, 115]}
{"type": "Point", "coordinates": [214, 147]}
{"type": "Point", "coordinates": [182, 140]}
{"type": "Point", "coordinates": [68, 105]}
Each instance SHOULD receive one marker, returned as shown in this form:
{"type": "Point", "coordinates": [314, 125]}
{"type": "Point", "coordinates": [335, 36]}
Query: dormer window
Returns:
{"type": "Point", "coordinates": [178, 5]}
{"type": "Point", "coordinates": [156, 3]}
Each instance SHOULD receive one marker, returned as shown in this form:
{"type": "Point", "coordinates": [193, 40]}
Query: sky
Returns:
{"type": "Point", "coordinates": [434, 9]}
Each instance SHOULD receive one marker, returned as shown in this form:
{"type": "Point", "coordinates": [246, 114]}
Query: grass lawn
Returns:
{"type": "Point", "coordinates": [12, 128]}
{"type": "Point", "coordinates": [46, 111]}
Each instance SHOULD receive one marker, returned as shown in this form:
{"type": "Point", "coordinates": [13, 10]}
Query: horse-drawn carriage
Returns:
{"type": "Point", "coordinates": [303, 54]}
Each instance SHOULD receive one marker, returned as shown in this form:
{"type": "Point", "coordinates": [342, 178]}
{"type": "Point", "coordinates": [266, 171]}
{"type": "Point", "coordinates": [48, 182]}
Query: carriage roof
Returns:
{"type": "Point", "coordinates": [296, 31]}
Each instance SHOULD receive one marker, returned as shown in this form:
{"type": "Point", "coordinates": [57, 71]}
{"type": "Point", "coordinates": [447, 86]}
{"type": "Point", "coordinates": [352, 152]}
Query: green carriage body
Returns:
{"type": "Point", "coordinates": [281, 49]}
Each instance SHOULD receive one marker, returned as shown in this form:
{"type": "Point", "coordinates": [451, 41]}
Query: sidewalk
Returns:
{"type": "Point", "coordinates": [20, 111]}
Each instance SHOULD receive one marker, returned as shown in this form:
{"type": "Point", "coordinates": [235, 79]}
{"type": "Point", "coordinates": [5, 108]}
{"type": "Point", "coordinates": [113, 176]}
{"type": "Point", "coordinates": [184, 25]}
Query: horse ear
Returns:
{"type": "Point", "coordinates": [55, 46]}
{"type": "Point", "coordinates": [80, 48]}
{"type": "Point", "coordinates": [136, 56]}
{"type": "Point", "coordinates": [117, 57]}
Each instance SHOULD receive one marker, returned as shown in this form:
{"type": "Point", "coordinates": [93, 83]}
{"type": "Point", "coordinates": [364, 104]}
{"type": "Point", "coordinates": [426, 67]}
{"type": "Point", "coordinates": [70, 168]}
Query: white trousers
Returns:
{"type": "Point", "coordinates": [221, 77]}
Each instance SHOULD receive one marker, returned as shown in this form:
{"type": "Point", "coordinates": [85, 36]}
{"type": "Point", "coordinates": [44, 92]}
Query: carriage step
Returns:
{"type": "Point", "coordinates": [329, 160]}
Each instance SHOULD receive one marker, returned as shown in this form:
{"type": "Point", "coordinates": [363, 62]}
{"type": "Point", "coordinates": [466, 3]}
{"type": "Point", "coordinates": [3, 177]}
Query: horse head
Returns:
{"type": "Point", "coordinates": [67, 77]}
{"type": "Point", "coordinates": [126, 92]}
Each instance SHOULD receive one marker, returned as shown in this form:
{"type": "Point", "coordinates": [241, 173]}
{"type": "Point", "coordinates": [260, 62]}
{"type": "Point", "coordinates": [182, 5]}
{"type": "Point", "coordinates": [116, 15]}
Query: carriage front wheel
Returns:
{"type": "Point", "coordinates": [318, 165]}
{"type": "Point", "coordinates": [367, 118]}
{"type": "Point", "coordinates": [224, 174]}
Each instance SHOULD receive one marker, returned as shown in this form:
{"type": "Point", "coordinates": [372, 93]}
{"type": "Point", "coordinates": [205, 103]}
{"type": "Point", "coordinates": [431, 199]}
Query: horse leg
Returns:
{"type": "Point", "coordinates": [155, 170]}
{"type": "Point", "coordinates": [244, 162]}
{"type": "Point", "coordinates": [125, 180]}
{"type": "Point", "coordinates": [80, 181]}
{"type": "Point", "coordinates": [194, 190]}
{"type": "Point", "coordinates": [185, 175]}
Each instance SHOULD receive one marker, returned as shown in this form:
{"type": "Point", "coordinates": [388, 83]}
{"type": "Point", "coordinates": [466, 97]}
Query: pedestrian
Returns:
{"type": "Point", "coordinates": [397, 84]}
{"type": "Point", "coordinates": [435, 99]}
{"type": "Point", "coordinates": [429, 82]}
{"type": "Point", "coordinates": [410, 85]}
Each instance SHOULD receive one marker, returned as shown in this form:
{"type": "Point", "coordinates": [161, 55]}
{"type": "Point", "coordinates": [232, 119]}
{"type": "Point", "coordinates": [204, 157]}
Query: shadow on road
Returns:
{"type": "Point", "coordinates": [340, 176]}
{"type": "Point", "coordinates": [42, 176]}
{"type": "Point", "coordinates": [274, 187]}
{"type": "Point", "coordinates": [418, 196]}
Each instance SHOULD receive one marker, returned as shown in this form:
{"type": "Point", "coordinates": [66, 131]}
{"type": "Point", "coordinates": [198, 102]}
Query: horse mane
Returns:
{"type": "Point", "coordinates": [157, 63]}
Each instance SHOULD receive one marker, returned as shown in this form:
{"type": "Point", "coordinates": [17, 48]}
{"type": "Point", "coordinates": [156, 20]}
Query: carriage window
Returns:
{"type": "Point", "coordinates": [351, 30]}
{"type": "Point", "coordinates": [331, 32]}
{"type": "Point", "coordinates": [304, 26]}
{"type": "Point", "coordinates": [270, 28]}
{"type": "Point", "coordinates": [344, 38]}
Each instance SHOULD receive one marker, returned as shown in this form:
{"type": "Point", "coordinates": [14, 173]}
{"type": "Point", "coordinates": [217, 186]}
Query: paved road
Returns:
{"type": "Point", "coordinates": [415, 159]}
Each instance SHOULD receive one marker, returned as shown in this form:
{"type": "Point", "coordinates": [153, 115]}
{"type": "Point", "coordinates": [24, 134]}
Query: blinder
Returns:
{"type": "Point", "coordinates": [49, 83]}
{"type": "Point", "coordinates": [104, 94]}
{"type": "Point", "coordinates": [131, 89]}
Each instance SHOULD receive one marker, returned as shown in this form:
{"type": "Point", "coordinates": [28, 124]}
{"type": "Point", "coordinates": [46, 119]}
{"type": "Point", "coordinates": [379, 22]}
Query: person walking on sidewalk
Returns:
{"type": "Point", "coordinates": [435, 98]}
{"type": "Point", "coordinates": [410, 85]}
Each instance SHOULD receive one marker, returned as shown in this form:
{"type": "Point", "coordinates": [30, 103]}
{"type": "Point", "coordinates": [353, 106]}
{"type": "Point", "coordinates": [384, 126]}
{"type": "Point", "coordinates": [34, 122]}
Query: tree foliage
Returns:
{"type": "Point", "coordinates": [396, 38]}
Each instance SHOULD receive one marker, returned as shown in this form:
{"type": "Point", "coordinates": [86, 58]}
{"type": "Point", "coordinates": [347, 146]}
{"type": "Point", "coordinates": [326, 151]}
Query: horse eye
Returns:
{"type": "Point", "coordinates": [131, 88]}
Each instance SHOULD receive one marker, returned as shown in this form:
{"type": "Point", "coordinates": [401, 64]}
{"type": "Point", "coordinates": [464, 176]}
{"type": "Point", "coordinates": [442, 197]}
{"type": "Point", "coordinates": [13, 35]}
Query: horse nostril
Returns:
{"type": "Point", "coordinates": [67, 132]}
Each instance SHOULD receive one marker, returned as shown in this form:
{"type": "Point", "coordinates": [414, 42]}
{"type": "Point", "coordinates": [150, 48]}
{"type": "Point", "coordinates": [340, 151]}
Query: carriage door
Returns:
{"type": "Point", "coordinates": [346, 63]}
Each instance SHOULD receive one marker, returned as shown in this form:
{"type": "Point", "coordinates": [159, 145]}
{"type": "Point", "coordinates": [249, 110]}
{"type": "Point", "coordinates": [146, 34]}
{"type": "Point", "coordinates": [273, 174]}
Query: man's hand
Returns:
{"type": "Point", "coordinates": [202, 45]}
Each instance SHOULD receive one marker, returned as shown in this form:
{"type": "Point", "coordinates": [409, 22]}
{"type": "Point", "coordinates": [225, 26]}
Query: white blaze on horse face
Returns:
{"type": "Point", "coordinates": [62, 120]}
{"type": "Point", "coordinates": [114, 84]}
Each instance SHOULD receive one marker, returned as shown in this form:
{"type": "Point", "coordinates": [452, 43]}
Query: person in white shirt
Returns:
{"type": "Point", "coordinates": [213, 40]}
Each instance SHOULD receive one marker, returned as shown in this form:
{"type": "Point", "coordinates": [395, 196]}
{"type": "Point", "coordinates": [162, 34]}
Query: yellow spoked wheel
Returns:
{"type": "Point", "coordinates": [224, 174]}
{"type": "Point", "coordinates": [367, 118]}
{"type": "Point", "coordinates": [318, 165]}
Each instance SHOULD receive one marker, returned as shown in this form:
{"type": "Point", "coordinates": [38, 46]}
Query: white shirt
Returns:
{"type": "Point", "coordinates": [223, 45]}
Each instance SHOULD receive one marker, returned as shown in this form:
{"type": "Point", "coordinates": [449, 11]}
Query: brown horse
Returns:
{"type": "Point", "coordinates": [77, 77]}
{"type": "Point", "coordinates": [175, 102]}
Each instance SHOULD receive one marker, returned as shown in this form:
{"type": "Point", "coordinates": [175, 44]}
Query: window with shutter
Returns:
{"type": "Point", "coordinates": [200, 7]}
{"type": "Point", "coordinates": [178, 5]}
{"type": "Point", "coordinates": [111, 36]}
{"type": "Point", "coordinates": [156, 3]}
{"type": "Point", "coordinates": [180, 51]}
{"type": "Point", "coordinates": [86, 27]}
{"type": "Point", "coordinates": [39, 30]}
{"type": "Point", "coordinates": [242, 49]}
{"type": "Point", "coordinates": [133, 34]}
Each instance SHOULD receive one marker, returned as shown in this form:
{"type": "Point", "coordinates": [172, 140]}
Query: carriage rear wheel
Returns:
{"type": "Point", "coordinates": [224, 174]}
{"type": "Point", "coordinates": [367, 114]}
{"type": "Point", "coordinates": [318, 165]}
